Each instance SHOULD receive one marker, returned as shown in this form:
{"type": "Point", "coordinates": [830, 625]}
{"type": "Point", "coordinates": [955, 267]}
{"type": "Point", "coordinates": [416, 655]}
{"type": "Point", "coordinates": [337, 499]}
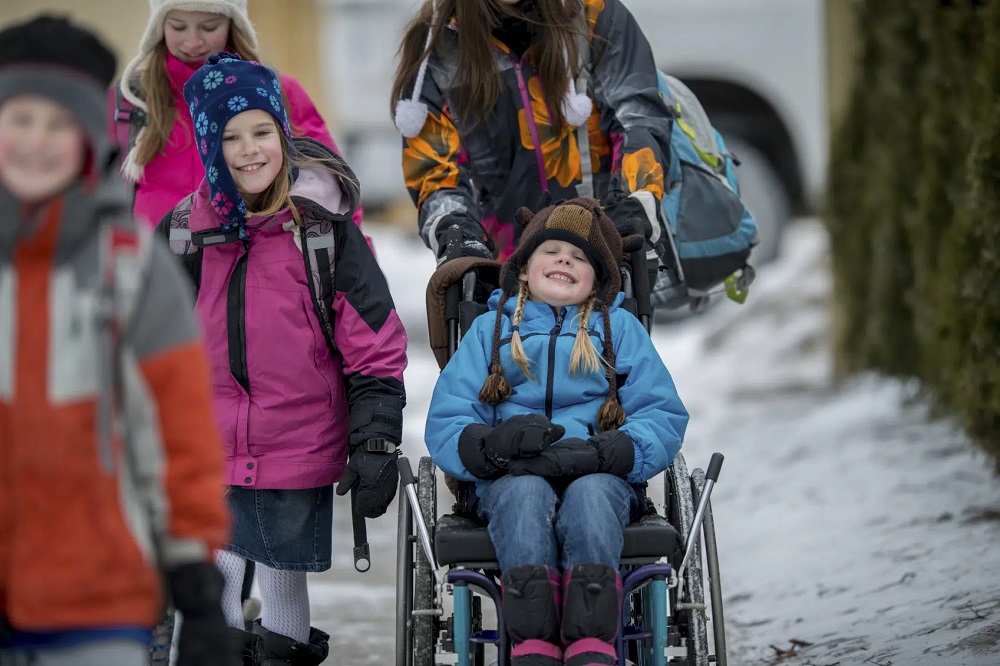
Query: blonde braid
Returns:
{"type": "Point", "coordinates": [584, 355]}
{"type": "Point", "coordinates": [516, 348]}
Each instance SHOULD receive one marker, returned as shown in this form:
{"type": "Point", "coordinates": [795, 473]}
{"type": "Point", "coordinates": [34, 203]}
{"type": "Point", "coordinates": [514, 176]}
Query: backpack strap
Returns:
{"type": "Point", "coordinates": [175, 229]}
{"type": "Point", "coordinates": [123, 256]}
{"type": "Point", "coordinates": [319, 252]}
{"type": "Point", "coordinates": [129, 120]}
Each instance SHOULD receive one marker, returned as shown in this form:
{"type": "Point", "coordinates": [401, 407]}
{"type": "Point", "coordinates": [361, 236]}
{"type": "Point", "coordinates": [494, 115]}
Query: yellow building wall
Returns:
{"type": "Point", "coordinates": [288, 31]}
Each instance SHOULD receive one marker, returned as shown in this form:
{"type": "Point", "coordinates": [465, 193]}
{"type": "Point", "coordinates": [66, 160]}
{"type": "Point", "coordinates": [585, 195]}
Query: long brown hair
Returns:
{"type": "Point", "coordinates": [159, 98]}
{"type": "Point", "coordinates": [478, 80]}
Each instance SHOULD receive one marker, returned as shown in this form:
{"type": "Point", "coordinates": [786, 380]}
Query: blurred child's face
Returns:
{"type": "Point", "coordinates": [42, 148]}
{"type": "Point", "coordinates": [559, 273]}
{"type": "Point", "coordinates": [194, 36]}
{"type": "Point", "coordinates": [251, 146]}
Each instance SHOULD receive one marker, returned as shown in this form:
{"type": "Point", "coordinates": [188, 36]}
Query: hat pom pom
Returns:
{"type": "Point", "coordinates": [410, 117]}
{"type": "Point", "coordinates": [576, 108]}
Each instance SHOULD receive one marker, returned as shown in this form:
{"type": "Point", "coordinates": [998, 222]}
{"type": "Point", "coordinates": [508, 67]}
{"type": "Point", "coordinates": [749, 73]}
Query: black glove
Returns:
{"type": "Point", "coordinates": [627, 213]}
{"type": "Point", "coordinates": [521, 436]}
{"type": "Point", "coordinates": [375, 475]}
{"type": "Point", "coordinates": [457, 242]}
{"type": "Point", "coordinates": [615, 452]}
{"type": "Point", "coordinates": [205, 639]}
{"type": "Point", "coordinates": [610, 452]}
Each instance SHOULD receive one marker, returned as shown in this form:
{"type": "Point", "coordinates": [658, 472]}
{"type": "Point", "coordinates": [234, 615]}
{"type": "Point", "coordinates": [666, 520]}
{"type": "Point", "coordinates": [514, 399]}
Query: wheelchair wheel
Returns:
{"type": "Point", "coordinates": [404, 583]}
{"type": "Point", "coordinates": [714, 578]}
{"type": "Point", "coordinates": [425, 627]}
{"type": "Point", "coordinates": [690, 608]}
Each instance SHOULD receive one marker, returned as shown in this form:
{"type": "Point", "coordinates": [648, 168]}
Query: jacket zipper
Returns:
{"type": "Point", "coordinates": [550, 379]}
{"type": "Point", "coordinates": [236, 305]}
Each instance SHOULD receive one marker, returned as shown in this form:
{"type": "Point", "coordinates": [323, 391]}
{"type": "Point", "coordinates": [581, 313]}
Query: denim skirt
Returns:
{"type": "Point", "coordinates": [290, 530]}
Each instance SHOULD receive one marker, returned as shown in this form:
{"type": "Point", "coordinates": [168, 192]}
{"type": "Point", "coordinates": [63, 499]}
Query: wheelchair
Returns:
{"type": "Point", "coordinates": [450, 557]}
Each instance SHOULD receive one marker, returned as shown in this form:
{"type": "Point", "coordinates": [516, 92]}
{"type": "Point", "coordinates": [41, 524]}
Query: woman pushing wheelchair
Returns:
{"type": "Point", "coordinates": [554, 404]}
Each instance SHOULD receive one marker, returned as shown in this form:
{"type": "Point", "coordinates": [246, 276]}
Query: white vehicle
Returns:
{"type": "Point", "coordinates": [757, 66]}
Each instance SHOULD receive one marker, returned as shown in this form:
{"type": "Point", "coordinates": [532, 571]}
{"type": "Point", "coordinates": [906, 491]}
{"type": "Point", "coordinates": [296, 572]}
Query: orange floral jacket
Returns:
{"type": "Point", "coordinates": [476, 172]}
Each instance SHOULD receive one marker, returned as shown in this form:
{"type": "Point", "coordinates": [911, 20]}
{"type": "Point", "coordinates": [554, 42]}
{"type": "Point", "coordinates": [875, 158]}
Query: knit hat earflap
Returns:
{"type": "Point", "coordinates": [411, 114]}
{"type": "Point", "coordinates": [582, 222]}
{"type": "Point", "coordinates": [224, 87]}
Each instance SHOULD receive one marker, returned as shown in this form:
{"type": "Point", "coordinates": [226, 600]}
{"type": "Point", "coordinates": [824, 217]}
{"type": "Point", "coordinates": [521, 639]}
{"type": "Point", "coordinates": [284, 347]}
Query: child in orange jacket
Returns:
{"type": "Point", "coordinates": [110, 464]}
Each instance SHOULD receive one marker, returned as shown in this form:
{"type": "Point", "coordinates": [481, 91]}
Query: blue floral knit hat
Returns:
{"type": "Point", "coordinates": [225, 86]}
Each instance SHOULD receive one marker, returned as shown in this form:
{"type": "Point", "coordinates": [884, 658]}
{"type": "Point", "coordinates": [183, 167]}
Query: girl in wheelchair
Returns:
{"type": "Point", "coordinates": [554, 404]}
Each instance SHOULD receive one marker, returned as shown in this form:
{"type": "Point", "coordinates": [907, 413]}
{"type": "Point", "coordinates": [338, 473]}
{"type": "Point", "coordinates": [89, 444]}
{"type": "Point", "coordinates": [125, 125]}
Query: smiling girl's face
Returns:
{"type": "Point", "coordinates": [559, 273]}
{"type": "Point", "coordinates": [194, 36]}
{"type": "Point", "coordinates": [251, 146]}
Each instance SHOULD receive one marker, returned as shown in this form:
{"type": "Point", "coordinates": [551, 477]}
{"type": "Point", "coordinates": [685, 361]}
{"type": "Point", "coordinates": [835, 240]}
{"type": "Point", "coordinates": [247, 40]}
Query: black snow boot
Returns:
{"type": "Point", "coordinates": [250, 648]}
{"type": "Point", "coordinates": [531, 613]}
{"type": "Point", "coordinates": [591, 611]}
{"type": "Point", "coordinates": [281, 650]}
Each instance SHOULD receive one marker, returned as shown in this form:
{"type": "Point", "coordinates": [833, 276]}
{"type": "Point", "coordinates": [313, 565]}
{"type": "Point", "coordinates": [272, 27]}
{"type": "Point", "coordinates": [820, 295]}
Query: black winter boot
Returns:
{"type": "Point", "coordinates": [281, 650]}
{"type": "Point", "coordinates": [250, 648]}
{"type": "Point", "coordinates": [531, 613]}
{"type": "Point", "coordinates": [591, 610]}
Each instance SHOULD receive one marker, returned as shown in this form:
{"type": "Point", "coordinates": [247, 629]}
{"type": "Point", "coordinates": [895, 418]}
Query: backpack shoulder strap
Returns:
{"type": "Point", "coordinates": [319, 252]}
{"type": "Point", "coordinates": [129, 119]}
{"type": "Point", "coordinates": [175, 228]}
{"type": "Point", "coordinates": [123, 260]}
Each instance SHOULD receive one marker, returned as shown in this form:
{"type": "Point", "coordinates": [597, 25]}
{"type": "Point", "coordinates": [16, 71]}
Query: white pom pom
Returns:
{"type": "Point", "coordinates": [410, 117]}
{"type": "Point", "coordinates": [576, 108]}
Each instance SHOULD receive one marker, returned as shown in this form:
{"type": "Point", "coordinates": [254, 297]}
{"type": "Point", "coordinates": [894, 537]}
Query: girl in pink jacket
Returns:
{"type": "Point", "coordinates": [308, 380]}
{"type": "Point", "coordinates": [151, 122]}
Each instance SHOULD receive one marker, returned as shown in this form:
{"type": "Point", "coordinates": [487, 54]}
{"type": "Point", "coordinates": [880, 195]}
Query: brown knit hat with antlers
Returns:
{"type": "Point", "coordinates": [583, 223]}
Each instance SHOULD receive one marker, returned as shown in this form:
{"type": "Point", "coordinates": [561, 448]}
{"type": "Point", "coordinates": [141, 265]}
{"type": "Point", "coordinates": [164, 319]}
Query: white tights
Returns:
{"type": "Point", "coordinates": [284, 597]}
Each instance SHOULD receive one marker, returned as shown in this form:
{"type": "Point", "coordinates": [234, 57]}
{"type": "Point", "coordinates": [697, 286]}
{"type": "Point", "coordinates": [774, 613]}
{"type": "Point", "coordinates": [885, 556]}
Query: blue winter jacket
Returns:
{"type": "Point", "coordinates": [655, 417]}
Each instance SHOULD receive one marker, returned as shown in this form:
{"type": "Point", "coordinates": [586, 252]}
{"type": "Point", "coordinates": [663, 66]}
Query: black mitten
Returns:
{"type": "Point", "coordinates": [627, 213]}
{"type": "Point", "coordinates": [205, 639]}
{"type": "Point", "coordinates": [615, 452]}
{"type": "Point", "coordinates": [521, 436]}
{"type": "Point", "coordinates": [472, 452]}
{"type": "Point", "coordinates": [376, 476]}
{"type": "Point", "coordinates": [567, 458]}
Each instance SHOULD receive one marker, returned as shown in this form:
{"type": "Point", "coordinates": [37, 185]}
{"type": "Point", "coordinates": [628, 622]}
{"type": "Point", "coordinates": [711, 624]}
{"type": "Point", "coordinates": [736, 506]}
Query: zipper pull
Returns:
{"type": "Point", "coordinates": [559, 318]}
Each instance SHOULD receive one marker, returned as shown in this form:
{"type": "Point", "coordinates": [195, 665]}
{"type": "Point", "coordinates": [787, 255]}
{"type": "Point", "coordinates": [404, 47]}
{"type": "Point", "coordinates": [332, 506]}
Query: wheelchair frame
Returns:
{"type": "Point", "coordinates": [664, 615]}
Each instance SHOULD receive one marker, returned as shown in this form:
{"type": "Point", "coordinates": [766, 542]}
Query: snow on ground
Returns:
{"type": "Point", "coordinates": [851, 528]}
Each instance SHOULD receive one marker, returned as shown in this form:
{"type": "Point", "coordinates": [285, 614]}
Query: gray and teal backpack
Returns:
{"type": "Point", "coordinates": [711, 231]}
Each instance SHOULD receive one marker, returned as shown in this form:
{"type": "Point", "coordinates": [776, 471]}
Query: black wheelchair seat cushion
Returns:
{"type": "Point", "coordinates": [462, 540]}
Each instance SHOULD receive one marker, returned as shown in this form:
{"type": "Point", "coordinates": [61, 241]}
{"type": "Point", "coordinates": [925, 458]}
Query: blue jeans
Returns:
{"type": "Point", "coordinates": [531, 523]}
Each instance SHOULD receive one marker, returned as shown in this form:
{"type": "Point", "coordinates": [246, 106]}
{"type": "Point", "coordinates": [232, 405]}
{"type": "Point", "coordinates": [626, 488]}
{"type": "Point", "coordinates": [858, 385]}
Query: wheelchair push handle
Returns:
{"type": "Point", "coordinates": [405, 471]}
{"type": "Point", "coordinates": [714, 466]}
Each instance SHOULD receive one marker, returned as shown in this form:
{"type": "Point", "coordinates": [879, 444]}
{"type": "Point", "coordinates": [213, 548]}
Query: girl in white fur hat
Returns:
{"type": "Point", "coordinates": [151, 121]}
{"type": "Point", "coordinates": [496, 99]}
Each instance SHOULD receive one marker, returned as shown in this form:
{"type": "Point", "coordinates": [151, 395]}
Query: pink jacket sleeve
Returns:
{"type": "Point", "coordinates": [306, 121]}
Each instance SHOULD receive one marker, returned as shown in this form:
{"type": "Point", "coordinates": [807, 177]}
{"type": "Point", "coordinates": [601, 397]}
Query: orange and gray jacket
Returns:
{"type": "Point", "coordinates": [90, 516]}
{"type": "Point", "coordinates": [476, 172]}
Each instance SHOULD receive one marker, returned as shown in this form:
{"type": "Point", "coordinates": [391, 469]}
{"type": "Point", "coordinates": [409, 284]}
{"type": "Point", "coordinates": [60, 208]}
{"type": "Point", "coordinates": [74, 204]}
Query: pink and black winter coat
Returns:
{"type": "Point", "coordinates": [287, 408]}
